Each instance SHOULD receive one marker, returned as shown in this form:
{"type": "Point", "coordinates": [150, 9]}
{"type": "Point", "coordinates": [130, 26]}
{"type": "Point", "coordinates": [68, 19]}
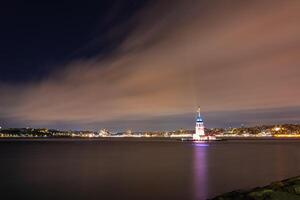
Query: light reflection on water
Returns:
{"type": "Point", "coordinates": [200, 144]}
{"type": "Point", "coordinates": [200, 169]}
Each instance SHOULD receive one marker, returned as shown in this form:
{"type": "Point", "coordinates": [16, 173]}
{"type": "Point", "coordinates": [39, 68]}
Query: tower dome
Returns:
{"type": "Point", "coordinates": [199, 119]}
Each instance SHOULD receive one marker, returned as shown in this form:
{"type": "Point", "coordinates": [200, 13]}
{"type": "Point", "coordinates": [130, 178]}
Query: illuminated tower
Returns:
{"type": "Point", "coordinates": [199, 129]}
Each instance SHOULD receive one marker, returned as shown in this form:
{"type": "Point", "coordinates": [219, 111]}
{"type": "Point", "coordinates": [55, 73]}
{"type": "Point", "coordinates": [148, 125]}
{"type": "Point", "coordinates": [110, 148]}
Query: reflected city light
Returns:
{"type": "Point", "coordinates": [200, 170]}
{"type": "Point", "coordinates": [200, 144]}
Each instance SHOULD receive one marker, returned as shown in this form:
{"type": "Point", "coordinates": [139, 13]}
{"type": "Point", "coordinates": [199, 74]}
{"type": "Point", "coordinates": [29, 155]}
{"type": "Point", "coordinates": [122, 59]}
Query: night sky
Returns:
{"type": "Point", "coordinates": [122, 64]}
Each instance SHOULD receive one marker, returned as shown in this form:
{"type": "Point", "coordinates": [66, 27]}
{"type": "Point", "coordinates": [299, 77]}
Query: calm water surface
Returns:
{"type": "Point", "coordinates": [140, 169]}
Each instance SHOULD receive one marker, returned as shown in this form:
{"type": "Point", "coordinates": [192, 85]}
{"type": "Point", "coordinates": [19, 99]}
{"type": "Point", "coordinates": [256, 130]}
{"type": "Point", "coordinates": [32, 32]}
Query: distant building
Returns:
{"type": "Point", "coordinates": [200, 129]}
{"type": "Point", "coordinates": [104, 133]}
{"type": "Point", "coordinates": [129, 132]}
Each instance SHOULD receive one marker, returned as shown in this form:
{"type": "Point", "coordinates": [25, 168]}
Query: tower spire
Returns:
{"type": "Point", "coordinates": [198, 111]}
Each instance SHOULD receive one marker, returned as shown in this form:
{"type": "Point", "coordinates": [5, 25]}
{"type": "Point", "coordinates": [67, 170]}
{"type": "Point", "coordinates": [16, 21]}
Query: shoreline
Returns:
{"type": "Point", "coordinates": [141, 137]}
{"type": "Point", "coordinates": [287, 189]}
{"type": "Point", "coordinates": [156, 138]}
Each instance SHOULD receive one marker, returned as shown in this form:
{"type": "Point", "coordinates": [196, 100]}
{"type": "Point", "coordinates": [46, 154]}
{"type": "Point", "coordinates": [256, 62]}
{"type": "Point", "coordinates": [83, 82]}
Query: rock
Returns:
{"type": "Point", "coordinates": [288, 189]}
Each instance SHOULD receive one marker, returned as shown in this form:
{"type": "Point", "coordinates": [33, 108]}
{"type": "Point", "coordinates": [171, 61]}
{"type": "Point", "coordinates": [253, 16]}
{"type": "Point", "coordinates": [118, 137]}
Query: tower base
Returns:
{"type": "Point", "coordinates": [203, 137]}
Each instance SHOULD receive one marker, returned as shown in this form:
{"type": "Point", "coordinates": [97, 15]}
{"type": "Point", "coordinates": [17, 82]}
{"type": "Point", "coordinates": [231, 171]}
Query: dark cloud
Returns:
{"type": "Point", "coordinates": [225, 56]}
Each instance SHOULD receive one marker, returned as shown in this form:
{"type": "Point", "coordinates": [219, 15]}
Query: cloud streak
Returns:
{"type": "Point", "coordinates": [224, 56]}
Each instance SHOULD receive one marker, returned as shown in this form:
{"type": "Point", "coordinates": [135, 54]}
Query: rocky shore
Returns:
{"type": "Point", "coordinates": [288, 189]}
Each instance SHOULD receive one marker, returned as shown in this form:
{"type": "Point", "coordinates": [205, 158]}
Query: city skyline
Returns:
{"type": "Point", "coordinates": [148, 65]}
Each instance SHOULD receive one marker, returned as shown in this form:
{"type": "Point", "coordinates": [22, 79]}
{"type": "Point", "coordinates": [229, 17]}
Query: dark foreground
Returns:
{"type": "Point", "coordinates": [288, 189]}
